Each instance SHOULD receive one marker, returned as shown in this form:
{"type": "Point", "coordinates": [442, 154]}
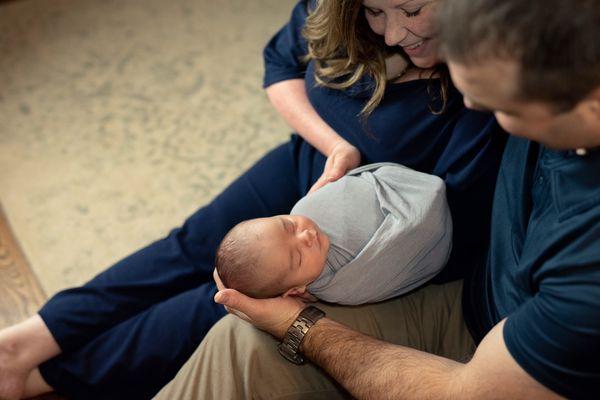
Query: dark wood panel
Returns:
{"type": "Point", "coordinates": [20, 292]}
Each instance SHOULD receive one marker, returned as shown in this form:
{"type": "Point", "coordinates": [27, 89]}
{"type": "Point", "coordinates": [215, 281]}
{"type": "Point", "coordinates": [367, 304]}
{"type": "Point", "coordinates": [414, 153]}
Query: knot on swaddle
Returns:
{"type": "Point", "coordinates": [390, 231]}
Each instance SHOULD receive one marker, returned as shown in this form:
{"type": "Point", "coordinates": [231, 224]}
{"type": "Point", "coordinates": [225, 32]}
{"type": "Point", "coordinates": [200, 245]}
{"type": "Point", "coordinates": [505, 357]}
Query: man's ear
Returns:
{"type": "Point", "coordinates": [592, 104]}
{"type": "Point", "coordinates": [588, 113]}
{"type": "Point", "coordinates": [295, 291]}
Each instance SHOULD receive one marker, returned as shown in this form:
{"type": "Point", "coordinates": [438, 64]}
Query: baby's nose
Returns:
{"type": "Point", "coordinates": [309, 236]}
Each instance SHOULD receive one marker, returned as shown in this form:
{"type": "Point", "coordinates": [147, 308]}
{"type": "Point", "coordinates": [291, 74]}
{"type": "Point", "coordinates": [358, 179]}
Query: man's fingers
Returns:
{"type": "Point", "coordinates": [238, 314]}
{"type": "Point", "coordinates": [226, 297]}
{"type": "Point", "coordinates": [236, 302]}
{"type": "Point", "coordinates": [217, 279]}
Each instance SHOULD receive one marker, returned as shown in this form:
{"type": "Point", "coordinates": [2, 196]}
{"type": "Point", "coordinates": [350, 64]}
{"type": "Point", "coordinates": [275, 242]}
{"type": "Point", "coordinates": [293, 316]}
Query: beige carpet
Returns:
{"type": "Point", "coordinates": [119, 118]}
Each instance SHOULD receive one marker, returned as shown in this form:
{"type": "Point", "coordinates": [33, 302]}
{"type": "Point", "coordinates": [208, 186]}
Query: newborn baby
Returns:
{"type": "Point", "coordinates": [378, 232]}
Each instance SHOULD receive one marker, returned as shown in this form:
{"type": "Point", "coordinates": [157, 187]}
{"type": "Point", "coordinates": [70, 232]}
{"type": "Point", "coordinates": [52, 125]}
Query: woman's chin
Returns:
{"type": "Point", "coordinates": [425, 62]}
{"type": "Point", "coordinates": [427, 57]}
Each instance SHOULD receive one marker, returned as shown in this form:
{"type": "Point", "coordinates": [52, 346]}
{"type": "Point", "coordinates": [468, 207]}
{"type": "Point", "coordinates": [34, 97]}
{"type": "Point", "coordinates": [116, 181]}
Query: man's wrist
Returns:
{"type": "Point", "coordinates": [289, 348]}
{"type": "Point", "coordinates": [281, 329]}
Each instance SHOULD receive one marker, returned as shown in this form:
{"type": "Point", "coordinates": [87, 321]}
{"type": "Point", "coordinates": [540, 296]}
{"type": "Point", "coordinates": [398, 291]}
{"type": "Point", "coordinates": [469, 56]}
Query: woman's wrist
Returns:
{"type": "Point", "coordinates": [333, 144]}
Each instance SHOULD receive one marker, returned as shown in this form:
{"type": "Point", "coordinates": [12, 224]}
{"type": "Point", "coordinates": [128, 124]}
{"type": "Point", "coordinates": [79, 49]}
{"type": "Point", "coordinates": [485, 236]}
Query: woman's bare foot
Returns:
{"type": "Point", "coordinates": [22, 348]}
{"type": "Point", "coordinates": [12, 375]}
{"type": "Point", "coordinates": [36, 385]}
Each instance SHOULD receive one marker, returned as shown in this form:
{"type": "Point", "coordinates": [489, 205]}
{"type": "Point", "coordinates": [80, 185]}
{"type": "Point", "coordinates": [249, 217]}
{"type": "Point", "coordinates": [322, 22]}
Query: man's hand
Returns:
{"type": "Point", "coordinates": [343, 158]}
{"type": "Point", "coordinates": [273, 315]}
{"type": "Point", "coordinates": [307, 297]}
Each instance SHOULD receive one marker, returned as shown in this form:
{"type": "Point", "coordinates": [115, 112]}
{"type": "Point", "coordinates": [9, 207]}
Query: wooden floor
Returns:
{"type": "Point", "coordinates": [20, 292]}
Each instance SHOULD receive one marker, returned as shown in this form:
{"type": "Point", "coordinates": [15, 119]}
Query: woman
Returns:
{"type": "Point", "coordinates": [359, 86]}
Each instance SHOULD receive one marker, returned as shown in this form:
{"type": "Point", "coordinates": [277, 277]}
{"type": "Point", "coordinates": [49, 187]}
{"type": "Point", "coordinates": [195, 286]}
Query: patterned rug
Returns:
{"type": "Point", "coordinates": [119, 118]}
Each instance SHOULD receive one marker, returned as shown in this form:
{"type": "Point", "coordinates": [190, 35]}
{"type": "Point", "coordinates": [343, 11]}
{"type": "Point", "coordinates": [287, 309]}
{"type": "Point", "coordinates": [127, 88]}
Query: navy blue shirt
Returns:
{"type": "Point", "coordinates": [543, 269]}
{"type": "Point", "coordinates": [462, 147]}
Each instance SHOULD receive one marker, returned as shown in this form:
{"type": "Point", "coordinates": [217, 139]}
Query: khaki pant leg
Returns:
{"type": "Point", "coordinates": [237, 361]}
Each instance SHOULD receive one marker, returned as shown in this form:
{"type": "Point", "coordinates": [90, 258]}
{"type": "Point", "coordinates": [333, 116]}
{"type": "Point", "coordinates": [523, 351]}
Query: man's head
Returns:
{"type": "Point", "coordinates": [535, 63]}
{"type": "Point", "coordinates": [267, 257]}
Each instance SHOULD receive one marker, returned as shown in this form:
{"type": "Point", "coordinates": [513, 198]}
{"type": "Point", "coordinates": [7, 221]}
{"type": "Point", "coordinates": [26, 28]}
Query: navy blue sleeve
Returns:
{"type": "Point", "coordinates": [284, 51]}
{"type": "Point", "coordinates": [555, 335]}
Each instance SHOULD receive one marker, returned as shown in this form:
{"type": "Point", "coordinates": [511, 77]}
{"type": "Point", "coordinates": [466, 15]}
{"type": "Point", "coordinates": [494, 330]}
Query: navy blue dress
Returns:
{"type": "Point", "coordinates": [127, 332]}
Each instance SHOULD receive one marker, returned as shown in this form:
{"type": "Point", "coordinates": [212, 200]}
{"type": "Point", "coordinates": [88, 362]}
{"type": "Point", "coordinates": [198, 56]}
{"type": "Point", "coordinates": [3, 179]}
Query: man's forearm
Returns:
{"type": "Point", "coordinates": [372, 369]}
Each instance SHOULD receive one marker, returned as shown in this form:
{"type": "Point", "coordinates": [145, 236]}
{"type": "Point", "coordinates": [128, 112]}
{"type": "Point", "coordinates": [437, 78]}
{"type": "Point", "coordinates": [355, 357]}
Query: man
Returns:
{"type": "Point", "coordinates": [533, 311]}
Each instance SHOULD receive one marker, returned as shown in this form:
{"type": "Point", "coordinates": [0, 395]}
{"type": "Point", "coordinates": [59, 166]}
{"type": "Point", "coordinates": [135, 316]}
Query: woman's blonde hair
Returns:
{"type": "Point", "coordinates": [345, 48]}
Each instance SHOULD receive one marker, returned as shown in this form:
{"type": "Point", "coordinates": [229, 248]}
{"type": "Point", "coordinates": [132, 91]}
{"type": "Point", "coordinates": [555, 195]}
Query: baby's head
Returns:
{"type": "Point", "coordinates": [268, 257]}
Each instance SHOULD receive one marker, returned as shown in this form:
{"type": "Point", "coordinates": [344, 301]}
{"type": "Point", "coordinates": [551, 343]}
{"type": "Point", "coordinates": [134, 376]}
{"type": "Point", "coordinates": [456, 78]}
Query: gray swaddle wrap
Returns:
{"type": "Point", "coordinates": [390, 231]}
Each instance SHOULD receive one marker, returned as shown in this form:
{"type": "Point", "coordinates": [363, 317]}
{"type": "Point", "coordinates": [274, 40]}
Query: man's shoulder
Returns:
{"type": "Point", "coordinates": [575, 183]}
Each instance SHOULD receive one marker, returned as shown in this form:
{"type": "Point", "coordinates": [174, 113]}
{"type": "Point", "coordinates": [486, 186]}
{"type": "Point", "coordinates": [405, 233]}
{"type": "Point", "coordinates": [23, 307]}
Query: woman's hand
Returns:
{"type": "Point", "coordinates": [291, 101]}
{"type": "Point", "coordinates": [274, 315]}
{"type": "Point", "coordinates": [343, 158]}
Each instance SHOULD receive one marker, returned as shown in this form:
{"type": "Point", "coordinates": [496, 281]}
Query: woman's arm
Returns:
{"type": "Point", "coordinates": [284, 82]}
{"type": "Point", "coordinates": [291, 101]}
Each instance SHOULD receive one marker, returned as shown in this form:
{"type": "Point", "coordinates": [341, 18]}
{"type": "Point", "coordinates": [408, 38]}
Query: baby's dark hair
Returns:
{"type": "Point", "coordinates": [238, 264]}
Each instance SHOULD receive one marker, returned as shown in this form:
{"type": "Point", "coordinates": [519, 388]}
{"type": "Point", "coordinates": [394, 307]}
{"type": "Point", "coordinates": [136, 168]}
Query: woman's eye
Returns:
{"type": "Point", "coordinates": [413, 13]}
{"type": "Point", "coordinates": [374, 13]}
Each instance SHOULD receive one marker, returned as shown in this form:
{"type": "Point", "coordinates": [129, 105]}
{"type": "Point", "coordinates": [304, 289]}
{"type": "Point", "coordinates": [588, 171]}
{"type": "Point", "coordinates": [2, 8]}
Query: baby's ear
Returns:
{"type": "Point", "coordinates": [295, 291]}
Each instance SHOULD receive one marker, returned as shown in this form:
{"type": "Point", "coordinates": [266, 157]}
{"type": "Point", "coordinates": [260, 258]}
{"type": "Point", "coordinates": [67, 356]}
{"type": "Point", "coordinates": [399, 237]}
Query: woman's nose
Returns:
{"type": "Point", "coordinates": [395, 32]}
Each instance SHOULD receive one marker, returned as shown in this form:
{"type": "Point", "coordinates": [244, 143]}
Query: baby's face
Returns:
{"type": "Point", "coordinates": [291, 246]}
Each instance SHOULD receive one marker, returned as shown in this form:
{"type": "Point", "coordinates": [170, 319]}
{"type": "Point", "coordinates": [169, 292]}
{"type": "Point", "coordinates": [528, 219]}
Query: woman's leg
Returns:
{"type": "Point", "coordinates": [36, 385]}
{"type": "Point", "coordinates": [22, 348]}
{"type": "Point", "coordinates": [180, 262]}
{"type": "Point", "coordinates": [173, 265]}
{"type": "Point", "coordinates": [135, 358]}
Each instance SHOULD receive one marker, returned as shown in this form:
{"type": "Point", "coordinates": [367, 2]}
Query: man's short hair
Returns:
{"type": "Point", "coordinates": [555, 42]}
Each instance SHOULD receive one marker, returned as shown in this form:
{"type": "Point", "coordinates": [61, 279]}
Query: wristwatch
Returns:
{"type": "Point", "coordinates": [290, 345]}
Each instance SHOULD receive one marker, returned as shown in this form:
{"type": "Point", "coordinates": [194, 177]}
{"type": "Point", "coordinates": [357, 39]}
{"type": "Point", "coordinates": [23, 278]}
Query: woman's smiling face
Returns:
{"type": "Point", "coordinates": [409, 24]}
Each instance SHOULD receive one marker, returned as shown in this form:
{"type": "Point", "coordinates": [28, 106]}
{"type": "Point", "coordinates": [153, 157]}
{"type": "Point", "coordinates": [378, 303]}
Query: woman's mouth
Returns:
{"type": "Point", "coordinates": [414, 46]}
{"type": "Point", "coordinates": [417, 49]}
